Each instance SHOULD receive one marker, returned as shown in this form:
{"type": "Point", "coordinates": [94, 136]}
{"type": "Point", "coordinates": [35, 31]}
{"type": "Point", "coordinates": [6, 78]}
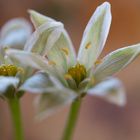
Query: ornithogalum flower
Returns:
{"type": "Point", "coordinates": [13, 34]}
{"type": "Point", "coordinates": [65, 77]}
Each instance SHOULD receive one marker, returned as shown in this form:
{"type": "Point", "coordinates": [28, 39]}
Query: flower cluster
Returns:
{"type": "Point", "coordinates": [62, 75]}
{"type": "Point", "coordinates": [13, 34]}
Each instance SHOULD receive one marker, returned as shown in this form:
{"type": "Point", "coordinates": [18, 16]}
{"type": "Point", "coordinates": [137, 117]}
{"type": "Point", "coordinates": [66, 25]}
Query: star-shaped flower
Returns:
{"type": "Point", "coordinates": [13, 34]}
{"type": "Point", "coordinates": [65, 77]}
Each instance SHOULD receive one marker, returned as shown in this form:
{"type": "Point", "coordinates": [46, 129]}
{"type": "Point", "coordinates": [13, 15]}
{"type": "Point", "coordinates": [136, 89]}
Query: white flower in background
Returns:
{"type": "Point", "coordinates": [65, 77]}
{"type": "Point", "coordinates": [13, 34]}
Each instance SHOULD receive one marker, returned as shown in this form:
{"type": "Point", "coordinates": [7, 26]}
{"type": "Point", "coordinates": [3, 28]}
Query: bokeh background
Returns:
{"type": "Point", "coordinates": [98, 119]}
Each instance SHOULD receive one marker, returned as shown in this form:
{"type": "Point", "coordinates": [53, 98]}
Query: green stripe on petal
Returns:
{"type": "Point", "coordinates": [110, 90]}
{"type": "Point", "coordinates": [116, 61]}
{"type": "Point", "coordinates": [50, 102]}
{"type": "Point", "coordinates": [39, 19]}
{"type": "Point", "coordinates": [35, 61]}
{"type": "Point", "coordinates": [61, 51]}
{"type": "Point", "coordinates": [56, 45]}
{"type": "Point", "coordinates": [37, 42]}
{"type": "Point", "coordinates": [27, 59]}
{"type": "Point", "coordinates": [95, 35]}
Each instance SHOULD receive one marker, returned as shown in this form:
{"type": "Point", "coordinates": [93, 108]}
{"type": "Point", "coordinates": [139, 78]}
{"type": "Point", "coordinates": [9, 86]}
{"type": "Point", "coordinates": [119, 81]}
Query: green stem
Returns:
{"type": "Point", "coordinates": [14, 106]}
{"type": "Point", "coordinates": [71, 122]}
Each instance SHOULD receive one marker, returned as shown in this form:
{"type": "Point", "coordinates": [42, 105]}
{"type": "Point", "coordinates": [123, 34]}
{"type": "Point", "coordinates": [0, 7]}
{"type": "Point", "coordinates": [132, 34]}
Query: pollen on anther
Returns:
{"type": "Point", "coordinates": [51, 63]}
{"type": "Point", "coordinates": [67, 76]}
{"type": "Point", "coordinates": [21, 70]}
{"type": "Point", "coordinates": [65, 50]}
{"type": "Point", "coordinates": [97, 62]}
{"type": "Point", "coordinates": [77, 73]}
{"type": "Point", "coordinates": [88, 45]}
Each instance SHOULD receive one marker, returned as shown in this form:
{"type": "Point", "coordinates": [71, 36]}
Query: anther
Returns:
{"type": "Point", "coordinates": [78, 73]}
{"type": "Point", "coordinates": [97, 62]}
{"type": "Point", "coordinates": [88, 45]}
{"type": "Point", "coordinates": [65, 50]}
{"type": "Point", "coordinates": [51, 63]}
{"type": "Point", "coordinates": [8, 70]}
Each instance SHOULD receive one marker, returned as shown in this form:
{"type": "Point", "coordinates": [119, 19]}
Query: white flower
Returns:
{"type": "Point", "coordinates": [64, 76]}
{"type": "Point", "coordinates": [13, 34]}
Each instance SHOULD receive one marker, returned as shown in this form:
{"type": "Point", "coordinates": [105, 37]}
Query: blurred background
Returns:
{"type": "Point", "coordinates": [98, 119]}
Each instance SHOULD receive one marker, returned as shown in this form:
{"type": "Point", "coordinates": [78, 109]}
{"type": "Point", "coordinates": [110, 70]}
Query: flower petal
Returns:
{"type": "Point", "coordinates": [51, 39]}
{"type": "Point", "coordinates": [40, 83]}
{"type": "Point", "coordinates": [52, 94]}
{"type": "Point", "coordinates": [50, 102]}
{"type": "Point", "coordinates": [116, 61]}
{"type": "Point", "coordinates": [8, 85]}
{"type": "Point", "coordinates": [61, 50]}
{"type": "Point", "coordinates": [95, 35]}
{"type": "Point", "coordinates": [39, 19]}
{"type": "Point", "coordinates": [111, 90]}
{"type": "Point", "coordinates": [15, 33]}
{"type": "Point", "coordinates": [38, 40]}
{"type": "Point", "coordinates": [27, 58]}
{"type": "Point", "coordinates": [35, 61]}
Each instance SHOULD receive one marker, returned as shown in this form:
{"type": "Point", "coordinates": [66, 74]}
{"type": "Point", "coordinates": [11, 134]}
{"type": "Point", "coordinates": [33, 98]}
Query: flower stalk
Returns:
{"type": "Point", "coordinates": [72, 119]}
{"type": "Point", "coordinates": [14, 106]}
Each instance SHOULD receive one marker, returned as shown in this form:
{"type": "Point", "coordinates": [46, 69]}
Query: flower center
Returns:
{"type": "Point", "coordinates": [78, 73]}
{"type": "Point", "coordinates": [8, 70]}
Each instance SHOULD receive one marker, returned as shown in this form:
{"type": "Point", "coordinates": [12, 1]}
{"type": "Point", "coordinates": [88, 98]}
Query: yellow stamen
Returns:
{"type": "Point", "coordinates": [88, 45]}
{"type": "Point", "coordinates": [78, 73]}
{"type": "Point", "coordinates": [51, 63]}
{"type": "Point", "coordinates": [8, 70]}
{"type": "Point", "coordinates": [65, 50]}
{"type": "Point", "coordinates": [21, 70]}
{"type": "Point", "coordinates": [97, 62]}
{"type": "Point", "coordinates": [67, 76]}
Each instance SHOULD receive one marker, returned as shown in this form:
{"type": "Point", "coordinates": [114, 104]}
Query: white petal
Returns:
{"type": "Point", "coordinates": [39, 19]}
{"type": "Point", "coordinates": [35, 61]}
{"type": "Point", "coordinates": [40, 83]}
{"type": "Point", "coordinates": [15, 33]}
{"type": "Point", "coordinates": [61, 50]}
{"type": "Point", "coordinates": [51, 39]}
{"type": "Point", "coordinates": [110, 90]}
{"type": "Point", "coordinates": [6, 83]}
{"type": "Point", "coordinates": [95, 35]}
{"type": "Point", "coordinates": [27, 59]}
{"type": "Point", "coordinates": [38, 40]}
{"type": "Point", "coordinates": [50, 102]}
{"type": "Point", "coordinates": [116, 61]}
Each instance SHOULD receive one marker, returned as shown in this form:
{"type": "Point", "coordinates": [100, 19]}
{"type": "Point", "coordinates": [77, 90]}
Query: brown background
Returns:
{"type": "Point", "coordinates": [98, 120]}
